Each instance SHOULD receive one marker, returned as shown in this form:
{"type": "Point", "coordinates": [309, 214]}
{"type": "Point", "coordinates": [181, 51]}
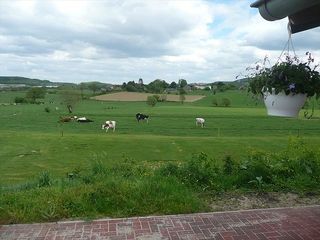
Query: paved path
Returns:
{"type": "Point", "coordinates": [277, 223]}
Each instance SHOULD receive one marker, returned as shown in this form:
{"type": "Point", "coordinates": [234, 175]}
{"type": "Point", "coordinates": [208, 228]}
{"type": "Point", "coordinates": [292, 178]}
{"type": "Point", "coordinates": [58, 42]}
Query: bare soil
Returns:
{"type": "Point", "coordinates": [231, 202]}
{"type": "Point", "coordinates": [133, 96]}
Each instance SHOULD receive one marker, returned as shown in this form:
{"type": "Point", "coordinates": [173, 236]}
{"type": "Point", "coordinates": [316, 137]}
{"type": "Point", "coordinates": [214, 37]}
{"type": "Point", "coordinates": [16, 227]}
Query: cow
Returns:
{"type": "Point", "coordinates": [142, 117]}
{"type": "Point", "coordinates": [109, 124]}
{"type": "Point", "coordinates": [200, 121]}
{"type": "Point", "coordinates": [82, 119]}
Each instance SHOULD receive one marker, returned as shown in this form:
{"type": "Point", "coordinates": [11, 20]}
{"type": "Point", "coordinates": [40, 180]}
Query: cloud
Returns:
{"type": "Point", "coordinates": [117, 41]}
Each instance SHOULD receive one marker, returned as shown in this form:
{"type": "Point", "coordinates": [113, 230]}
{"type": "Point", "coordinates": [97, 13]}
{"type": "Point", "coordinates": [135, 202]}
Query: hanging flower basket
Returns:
{"type": "Point", "coordinates": [284, 105]}
{"type": "Point", "coordinates": [286, 85]}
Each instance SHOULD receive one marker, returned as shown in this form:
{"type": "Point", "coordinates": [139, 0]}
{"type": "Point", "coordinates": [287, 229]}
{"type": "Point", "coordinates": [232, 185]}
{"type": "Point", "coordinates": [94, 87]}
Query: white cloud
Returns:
{"type": "Point", "coordinates": [116, 41]}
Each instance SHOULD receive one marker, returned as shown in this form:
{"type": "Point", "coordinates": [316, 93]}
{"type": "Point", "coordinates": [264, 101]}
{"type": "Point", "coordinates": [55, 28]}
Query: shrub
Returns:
{"type": "Point", "coordinates": [47, 109]}
{"type": "Point", "coordinates": [170, 169]}
{"type": "Point", "coordinates": [214, 102]}
{"type": "Point", "coordinates": [257, 165]}
{"type": "Point", "coordinates": [151, 101]}
{"type": "Point", "coordinates": [20, 100]}
{"type": "Point", "coordinates": [199, 171]}
{"type": "Point", "coordinates": [225, 102]}
{"type": "Point", "coordinates": [229, 165]}
{"type": "Point", "coordinates": [157, 97]}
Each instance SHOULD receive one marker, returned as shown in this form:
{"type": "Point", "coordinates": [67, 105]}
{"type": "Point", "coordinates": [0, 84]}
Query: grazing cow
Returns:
{"type": "Point", "coordinates": [109, 124]}
{"type": "Point", "coordinates": [82, 119]}
{"type": "Point", "coordinates": [140, 116]}
{"type": "Point", "coordinates": [200, 121]}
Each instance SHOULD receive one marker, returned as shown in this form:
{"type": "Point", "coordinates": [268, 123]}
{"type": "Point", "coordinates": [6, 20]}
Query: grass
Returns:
{"type": "Point", "coordinates": [38, 154]}
{"type": "Point", "coordinates": [33, 141]}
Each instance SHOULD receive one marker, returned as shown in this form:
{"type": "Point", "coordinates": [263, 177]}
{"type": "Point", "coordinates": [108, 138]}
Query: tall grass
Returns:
{"type": "Point", "coordinates": [129, 188]}
{"type": "Point", "coordinates": [97, 191]}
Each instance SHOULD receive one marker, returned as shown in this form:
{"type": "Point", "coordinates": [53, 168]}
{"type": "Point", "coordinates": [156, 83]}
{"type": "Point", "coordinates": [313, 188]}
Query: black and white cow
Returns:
{"type": "Point", "coordinates": [200, 121]}
{"type": "Point", "coordinates": [142, 117]}
{"type": "Point", "coordinates": [109, 124]}
{"type": "Point", "coordinates": [82, 119]}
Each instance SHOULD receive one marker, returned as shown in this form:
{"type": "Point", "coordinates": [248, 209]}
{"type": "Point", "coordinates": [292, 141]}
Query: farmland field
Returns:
{"type": "Point", "coordinates": [141, 168]}
{"type": "Point", "coordinates": [31, 139]}
{"type": "Point", "coordinates": [134, 96]}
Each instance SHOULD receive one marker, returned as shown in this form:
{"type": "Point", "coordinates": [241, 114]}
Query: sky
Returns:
{"type": "Point", "coordinates": [116, 41]}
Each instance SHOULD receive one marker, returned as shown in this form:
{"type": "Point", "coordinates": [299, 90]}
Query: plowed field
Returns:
{"type": "Point", "coordinates": [133, 96]}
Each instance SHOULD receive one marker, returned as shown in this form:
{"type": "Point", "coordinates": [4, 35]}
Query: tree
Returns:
{"type": "Point", "coordinates": [70, 98]}
{"type": "Point", "coordinates": [173, 85]}
{"type": "Point", "coordinates": [124, 86]}
{"type": "Point", "coordinates": [93, 87]}
{"type": "Point", "coordinates": [182, 96]}
{"type": "Point", "coordinates": [34, 93]}
{"type": "Point", "coordinates": [131, 87]}
{"type": "Point", "coordinates": [157, 86]}
{"type": "Point", "coordinates": [221, 86]}
{"type": "Point", "coordinates": [82, 87]}
{"type": "Point", "coordinates": [151, 100]}
{"type": "Point", "coordinates": [182, 83]}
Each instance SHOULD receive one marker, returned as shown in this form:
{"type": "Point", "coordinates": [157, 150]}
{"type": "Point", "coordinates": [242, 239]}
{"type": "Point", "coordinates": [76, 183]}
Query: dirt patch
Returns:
{"type": "Point", "coordinates": [133, 96]}
{"type": "Point", "coordinates": [230, 202]}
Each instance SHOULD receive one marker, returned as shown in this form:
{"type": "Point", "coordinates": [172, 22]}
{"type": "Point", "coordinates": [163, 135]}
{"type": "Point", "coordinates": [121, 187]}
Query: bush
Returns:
{"type": "Point", "coordinates": [257, 165]}
{"type": "Point", "coordinates": [199, 171]}
{"type": "Point", "coordinates": [151, 100]}
{"type": "Point", "coordinates": [157, 97]}
{"type": "Point", "coordinates": [226, 102]}
{"type": "Point", "coordinates": [20, 100]}
{"type": "Point", "coordinates": [215, 102]}
{"type": "Point", "coordinates": [47, 109]}
{"type": "Point", "coordinates": [229, 165]}
{"type": "Point", "coordinates": [295, 169]}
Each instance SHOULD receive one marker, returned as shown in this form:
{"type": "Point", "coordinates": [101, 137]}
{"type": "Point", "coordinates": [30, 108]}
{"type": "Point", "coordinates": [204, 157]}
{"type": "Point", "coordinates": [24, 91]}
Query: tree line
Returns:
{"type": "Point", "coordinates": [156, 86]}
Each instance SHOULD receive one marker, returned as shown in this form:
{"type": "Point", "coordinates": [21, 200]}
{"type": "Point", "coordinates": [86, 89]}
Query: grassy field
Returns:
{"type": "Point", "coordinates": [32, 142]}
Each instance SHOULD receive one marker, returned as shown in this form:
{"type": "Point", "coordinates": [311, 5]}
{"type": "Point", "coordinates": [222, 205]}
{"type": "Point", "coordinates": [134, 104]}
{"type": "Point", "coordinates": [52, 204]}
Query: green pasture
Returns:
{"type": "Point", "coordinates": [32, 140]}
{"type": "Point", "coordinates": [238, 99]}
{"type": "Point", "coordinates": [166, 166]}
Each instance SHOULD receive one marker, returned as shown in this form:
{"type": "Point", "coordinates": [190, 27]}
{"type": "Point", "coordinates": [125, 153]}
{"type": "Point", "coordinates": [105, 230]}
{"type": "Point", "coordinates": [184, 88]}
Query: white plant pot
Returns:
{"type": "Point", "coordinates": [284, 105]}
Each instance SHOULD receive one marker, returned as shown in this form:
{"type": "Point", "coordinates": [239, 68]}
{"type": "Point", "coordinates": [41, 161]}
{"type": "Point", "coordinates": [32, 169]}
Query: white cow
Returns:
{"type": "Point", "coordinates": [109, 124]}
{"type": "Point", "coordinates": [200, 121]}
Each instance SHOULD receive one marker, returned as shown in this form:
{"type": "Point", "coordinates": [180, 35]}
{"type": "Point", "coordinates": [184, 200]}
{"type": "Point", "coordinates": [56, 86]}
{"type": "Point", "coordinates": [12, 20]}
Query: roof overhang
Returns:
{"type": "Point", "coordinates": [302, 14]}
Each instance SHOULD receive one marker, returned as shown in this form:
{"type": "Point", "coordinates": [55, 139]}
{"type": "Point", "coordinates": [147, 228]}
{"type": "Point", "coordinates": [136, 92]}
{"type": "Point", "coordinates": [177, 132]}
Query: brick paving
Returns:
{"type": "Point", "coordinates": [277, 223]}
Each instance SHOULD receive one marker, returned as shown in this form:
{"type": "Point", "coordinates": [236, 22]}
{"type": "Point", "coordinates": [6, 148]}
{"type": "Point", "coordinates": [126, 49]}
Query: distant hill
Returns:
{"type": "Point", "coordinates": [241, 82]}
{"type": "Point", "coordinates": [29, 81]}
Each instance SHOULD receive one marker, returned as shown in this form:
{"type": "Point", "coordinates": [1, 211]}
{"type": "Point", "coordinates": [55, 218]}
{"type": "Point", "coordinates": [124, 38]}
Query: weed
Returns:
{"type": "Point", "coordinates": [258, 182]}
{"type": "Point", "coordinates": [97, 167]}
{"type": "Point", "coordinates": [229, 165]}
{"type": "Point", "coordinates": [44, 179]}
